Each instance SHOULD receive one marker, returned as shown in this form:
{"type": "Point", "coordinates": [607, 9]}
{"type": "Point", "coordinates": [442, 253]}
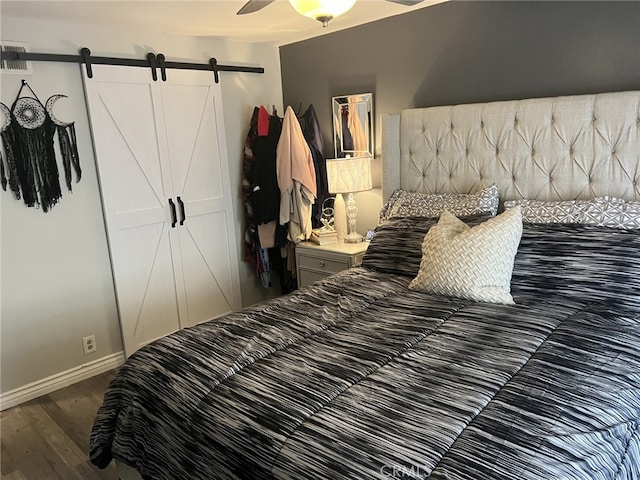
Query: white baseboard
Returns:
{"type": "Point", "coordinates": [60, 380]}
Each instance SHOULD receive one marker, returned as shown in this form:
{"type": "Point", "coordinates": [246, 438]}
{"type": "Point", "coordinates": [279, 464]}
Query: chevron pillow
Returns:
{"type": "Point", "coordinates": [536, 211]}
{"type": "Point", "coordinates": [612, 212]}
{"type": "Point", "coordinates": [470, 262]}
{"type": "Point", "coordinates": [431, 205]}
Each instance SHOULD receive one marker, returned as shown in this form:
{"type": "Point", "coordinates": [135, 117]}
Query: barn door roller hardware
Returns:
{"type": "Point", "coordinates": [152, 61]}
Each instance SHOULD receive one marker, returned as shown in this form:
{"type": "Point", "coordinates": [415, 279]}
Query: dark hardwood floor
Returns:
{"type": "Point", "coordinates": [48, 438]}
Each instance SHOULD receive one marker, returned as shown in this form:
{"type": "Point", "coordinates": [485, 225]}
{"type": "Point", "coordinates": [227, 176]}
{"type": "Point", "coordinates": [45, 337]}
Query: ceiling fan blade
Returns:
{"type": "Point", "coordinates": [406, 3]}
{"type": "Point", "coordinates": [253, 6]}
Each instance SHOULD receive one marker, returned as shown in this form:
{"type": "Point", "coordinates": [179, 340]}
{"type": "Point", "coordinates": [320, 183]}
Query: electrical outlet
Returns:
{"type": "Point", "coordinates": [89, 344]}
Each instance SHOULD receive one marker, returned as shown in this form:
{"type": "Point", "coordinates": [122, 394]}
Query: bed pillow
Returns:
{"type": "Point", "coordinates": [537, 211]}
{"type": "Point", "coordinates": [586, 262]}
{"type": "Point", "coordinates": [430, 205]}
{"type": "Point", "coordinates": [384, 213]}
{"type": "Point", "coordinates": [470, 262]}
{"type": "Point", "coordinates": [612, 212]}
{"type": "Point", "coordinates": [396, 246]}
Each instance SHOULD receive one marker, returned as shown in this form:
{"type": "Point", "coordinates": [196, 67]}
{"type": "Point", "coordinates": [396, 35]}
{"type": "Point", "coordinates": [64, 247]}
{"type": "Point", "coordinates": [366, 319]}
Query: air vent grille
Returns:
{"type": "Point", "coordinates": [21, 67]}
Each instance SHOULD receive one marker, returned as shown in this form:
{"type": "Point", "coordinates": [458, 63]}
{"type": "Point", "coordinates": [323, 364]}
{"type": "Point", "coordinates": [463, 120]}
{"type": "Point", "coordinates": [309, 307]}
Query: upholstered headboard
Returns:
{"type": "Point", "coordinates": [562, 148]}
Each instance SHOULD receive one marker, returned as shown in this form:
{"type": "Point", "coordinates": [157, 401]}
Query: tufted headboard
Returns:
{"type": "Point", "coordinates": [562, 148]}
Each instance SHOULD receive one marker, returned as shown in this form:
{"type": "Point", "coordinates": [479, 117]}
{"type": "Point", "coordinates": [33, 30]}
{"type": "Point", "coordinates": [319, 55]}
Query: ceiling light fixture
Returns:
{"type": "Point", "coordinates": [322, 10]}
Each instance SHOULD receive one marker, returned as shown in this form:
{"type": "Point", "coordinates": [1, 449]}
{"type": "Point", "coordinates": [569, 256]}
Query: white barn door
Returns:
{"type": "Point", "coordinates": [162, 162]}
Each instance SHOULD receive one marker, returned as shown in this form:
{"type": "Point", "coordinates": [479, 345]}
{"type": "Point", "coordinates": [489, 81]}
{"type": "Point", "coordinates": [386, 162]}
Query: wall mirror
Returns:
{"type": "Point", "coordinates": [353, 125]}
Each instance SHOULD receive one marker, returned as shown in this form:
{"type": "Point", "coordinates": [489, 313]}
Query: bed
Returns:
{"type": "Point", "coordinates": [362, 377]}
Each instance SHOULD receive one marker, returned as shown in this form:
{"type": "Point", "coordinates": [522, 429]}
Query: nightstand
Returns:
{"type": "Point", "coordinates": [315, 262]}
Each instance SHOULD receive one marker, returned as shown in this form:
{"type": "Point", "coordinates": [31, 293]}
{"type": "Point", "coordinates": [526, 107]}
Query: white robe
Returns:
{"type": "Point", "coordinates": [296, 179]}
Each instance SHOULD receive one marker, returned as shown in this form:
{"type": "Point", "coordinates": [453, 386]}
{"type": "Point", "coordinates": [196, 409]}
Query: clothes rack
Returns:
{"type": "Point", "coordinates": [153, 61]}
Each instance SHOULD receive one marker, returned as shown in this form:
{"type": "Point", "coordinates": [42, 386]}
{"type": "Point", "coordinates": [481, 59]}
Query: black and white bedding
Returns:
{"type": "Point", "coordinates": [359, 377]}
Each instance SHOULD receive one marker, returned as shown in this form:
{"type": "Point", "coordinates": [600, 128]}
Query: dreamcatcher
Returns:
{"type": "Point", "coordinates": [28, 165]}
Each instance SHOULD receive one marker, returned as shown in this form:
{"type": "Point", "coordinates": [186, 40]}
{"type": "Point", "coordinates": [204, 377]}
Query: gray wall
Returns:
{"type": "Point", "coordinates": [462, 52]}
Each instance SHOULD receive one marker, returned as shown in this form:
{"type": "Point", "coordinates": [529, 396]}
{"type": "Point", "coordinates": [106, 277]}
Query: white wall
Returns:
{"type": "Point", "coordinates": [56, 284]}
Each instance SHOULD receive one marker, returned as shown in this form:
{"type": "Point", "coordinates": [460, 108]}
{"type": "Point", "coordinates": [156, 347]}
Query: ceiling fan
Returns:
{"type": "Point", "coordinates": [321, 10]}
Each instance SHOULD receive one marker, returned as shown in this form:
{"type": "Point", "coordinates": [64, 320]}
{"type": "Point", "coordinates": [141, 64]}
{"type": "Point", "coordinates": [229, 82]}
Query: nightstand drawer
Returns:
{"type": "Point", "coordinates": [316, 262]}
{"type": "Point", "coordinates": [322, 264]}
{"type": "Point", "coordinates": [307, 277]}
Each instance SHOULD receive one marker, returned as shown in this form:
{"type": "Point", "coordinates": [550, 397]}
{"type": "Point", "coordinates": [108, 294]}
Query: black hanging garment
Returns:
{"type": "Point", "coordinates": [253, 253]}
{"type": "Point", "coordinates": [313, 135]}
{"type": "Point", "coordinates": [266, 194]}
{"type": "Point", "coordinates": [248, 161]}
{"type": "Point", "coordinates": [29, 165]}
{"type": "Point", "coordinates": [344, 143]}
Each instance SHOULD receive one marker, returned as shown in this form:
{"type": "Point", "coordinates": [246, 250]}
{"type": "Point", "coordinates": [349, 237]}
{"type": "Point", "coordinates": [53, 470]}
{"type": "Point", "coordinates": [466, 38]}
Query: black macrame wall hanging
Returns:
{"type": "Point", "coordinates": [28, 164]}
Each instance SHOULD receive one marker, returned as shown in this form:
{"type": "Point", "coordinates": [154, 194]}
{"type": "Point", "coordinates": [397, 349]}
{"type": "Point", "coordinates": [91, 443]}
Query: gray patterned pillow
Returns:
{"type": "Point", "coordinates": [470, 262]}
{"type": "Point", "coordinates": [612, 212]}
{"type": "Point", "coordinates": [537, 211]}
{"type": "Point", "coordinates": [431, 205]}
{"type": "Point", "coordinates": [383, 216]}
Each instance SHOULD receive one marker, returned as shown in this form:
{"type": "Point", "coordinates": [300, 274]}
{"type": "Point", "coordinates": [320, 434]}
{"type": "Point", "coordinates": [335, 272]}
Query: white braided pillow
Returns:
{"type": "Point", "coordinates": [470, 262]}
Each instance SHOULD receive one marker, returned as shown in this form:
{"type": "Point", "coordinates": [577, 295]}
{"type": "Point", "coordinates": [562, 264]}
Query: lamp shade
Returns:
{"type": "Point", "coordinates": [322, 10]}
{"type": "Point", "coordinates": [347, 175]}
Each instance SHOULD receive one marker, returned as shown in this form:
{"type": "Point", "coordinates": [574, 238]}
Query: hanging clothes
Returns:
{"type": "Point", "coordinates": [296, 179]}
{"type": "Point", "coordinates": [266, 194]}
{"type": "Point", "coordinates": [263, 121]}
{"type": "Point", "coordinates": [254, 254]}
{"type": "Point", "coordinates": [356, 125]}
{"type": "Point", "coordinates": [347, 139]}
{"type": "Point", "coordinates": [313, 135]}
{"type": "Point", "coordinates": [29, 166]}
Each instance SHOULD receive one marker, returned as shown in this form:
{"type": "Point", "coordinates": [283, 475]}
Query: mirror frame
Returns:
{"type": "Point", "coordinates": [362, 130]}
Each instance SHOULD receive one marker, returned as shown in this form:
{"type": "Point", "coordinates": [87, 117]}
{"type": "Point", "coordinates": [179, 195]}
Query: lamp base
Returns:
{"type": "Point", "coordinates": [340, 217]}
{"type": "Point", "coordinates": [353, 238]}
{"type": "Point", "coordinates": [352, 213]}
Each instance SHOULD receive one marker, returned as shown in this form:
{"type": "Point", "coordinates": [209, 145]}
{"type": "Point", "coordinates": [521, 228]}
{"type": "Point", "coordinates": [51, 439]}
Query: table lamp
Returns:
{"type": "Point", "coordinates": [348, 175]}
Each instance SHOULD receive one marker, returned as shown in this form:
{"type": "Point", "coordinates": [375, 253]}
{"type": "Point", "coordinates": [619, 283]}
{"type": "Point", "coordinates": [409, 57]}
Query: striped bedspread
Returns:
{"type": "Point", "coordinates": [358, 377]}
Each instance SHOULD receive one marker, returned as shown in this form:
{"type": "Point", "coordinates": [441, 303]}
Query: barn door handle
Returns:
{"type": "Point", "coordinates": [173, 213]}
{"type": "Point", "coordinates": [182, 216]}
